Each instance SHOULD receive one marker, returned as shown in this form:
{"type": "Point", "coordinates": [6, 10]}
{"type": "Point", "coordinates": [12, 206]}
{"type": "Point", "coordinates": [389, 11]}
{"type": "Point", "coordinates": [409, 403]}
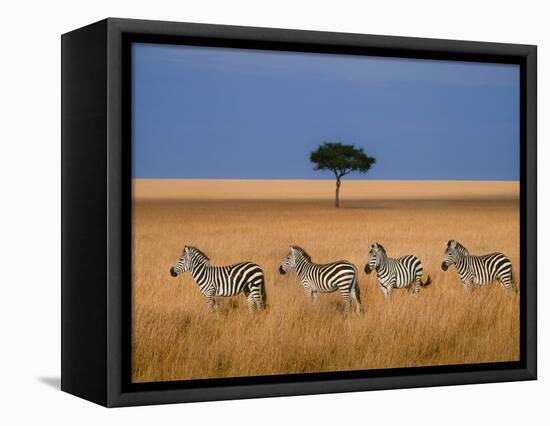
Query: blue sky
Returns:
{"type": "Point", "coordinates": [218, 113]}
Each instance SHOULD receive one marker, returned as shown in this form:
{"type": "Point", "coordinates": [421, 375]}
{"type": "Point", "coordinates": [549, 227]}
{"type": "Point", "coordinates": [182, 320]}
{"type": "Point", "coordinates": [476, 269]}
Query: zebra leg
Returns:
{"type": "Point", "coordinates": [262, 295]}
{"type": "Point", "coordinates": [311, 295]}
{"type": "Point", "coordinates": [507, 282]}
{"type": "Point", "coordinates": [416, 288]}
{"type": "Point", "coordinates": [255, 295]}
{"type": "Point", "coordinates": [506, 279]}
{"type": "Point", "coordinates": [251, 293]}
{"type": "Point", "coordinates": [384, 292]}
{"type": "Point", "coordinates": [388, 292]}
{"type": "Point", "coordinates": [251, 302]}
{"type": "Point", "coordinates": [211, 302]}
{"type": "Point", "coordinates": [345, 293]}
{"type": "Point", "coordinates": [387, 289]}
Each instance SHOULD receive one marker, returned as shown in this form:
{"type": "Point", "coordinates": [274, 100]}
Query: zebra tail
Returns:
{"type": "Point", "coordinates": [426, 283]}
{"type": "Point", "coordinates": [264, 294]}
{"type": "Point", "coordinates": [357, 289]}
{"type": "Point", "coordinates": [514, 284]}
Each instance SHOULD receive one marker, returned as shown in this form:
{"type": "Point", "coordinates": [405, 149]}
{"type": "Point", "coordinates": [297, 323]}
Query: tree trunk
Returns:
{"type": "Point", "coordinates": [337, 201]}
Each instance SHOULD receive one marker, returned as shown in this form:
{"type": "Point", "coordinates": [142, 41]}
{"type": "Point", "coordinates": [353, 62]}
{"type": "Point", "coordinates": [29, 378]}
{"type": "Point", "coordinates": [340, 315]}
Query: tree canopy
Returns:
{"type": "Point", "coordinates": [341, 159]}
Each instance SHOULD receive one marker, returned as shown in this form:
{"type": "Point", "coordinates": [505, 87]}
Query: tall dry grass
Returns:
{"type": "Point", "coordinates": [175, 336]}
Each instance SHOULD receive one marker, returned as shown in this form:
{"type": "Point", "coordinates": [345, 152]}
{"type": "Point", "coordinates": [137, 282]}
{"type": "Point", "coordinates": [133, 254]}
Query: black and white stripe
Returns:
{"type": "Point", "coordinates": [222, 281]}
{"type": "Point", "coordinates": [316, 278]}
{"type": "Point", "coordinates": [404, 272]}
{"type": "Point", "coordinates": [478, 270]}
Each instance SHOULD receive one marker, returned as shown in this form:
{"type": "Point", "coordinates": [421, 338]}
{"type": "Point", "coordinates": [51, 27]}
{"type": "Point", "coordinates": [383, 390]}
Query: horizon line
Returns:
{"type": "Point", "coordinates": [331, 180]}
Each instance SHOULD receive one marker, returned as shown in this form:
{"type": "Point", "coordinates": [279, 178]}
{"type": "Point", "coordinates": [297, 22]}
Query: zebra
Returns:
{"type": "Point", "coordinates": [404, 272]}
{"type": "Point", "coordinates": [316, 278]}
{"type": "Point", "coordinates": [478, 270]}
{"type": "Point", "coordinates": [224, 281]}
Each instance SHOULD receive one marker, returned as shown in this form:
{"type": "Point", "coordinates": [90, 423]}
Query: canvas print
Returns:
{"type": "Point", "coordinates": [301, 213]}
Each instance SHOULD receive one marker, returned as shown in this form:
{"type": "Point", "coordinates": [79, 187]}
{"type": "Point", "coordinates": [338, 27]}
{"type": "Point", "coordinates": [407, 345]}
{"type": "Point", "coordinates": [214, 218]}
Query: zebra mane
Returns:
{"type": "Point", "coordinates": [459, 247]}
{"type": "Point", "coordinates": [198, 252]}
{"type": "Point", "coordinates": [301, 250]}
{"type": "Point", "coordinates": [382, 249]}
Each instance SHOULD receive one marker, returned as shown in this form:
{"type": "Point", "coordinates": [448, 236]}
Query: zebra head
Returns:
{"type": "Point", "coordinates": [377, 253]}
{"type": "Point", "coordinates": [453, 251]}
{"type": "Point", "coordinates": [289, 262]}
{"type": "Point", "coordinates": [183, 264]}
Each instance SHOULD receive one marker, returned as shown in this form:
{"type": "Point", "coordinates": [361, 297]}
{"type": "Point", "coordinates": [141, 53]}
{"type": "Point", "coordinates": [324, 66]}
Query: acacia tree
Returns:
{"type": "Point", "coordinates": [341, 159]}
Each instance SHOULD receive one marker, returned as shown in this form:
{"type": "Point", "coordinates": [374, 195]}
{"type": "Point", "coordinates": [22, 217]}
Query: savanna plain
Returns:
{"type": "Point", "coordinates": [176, 337]}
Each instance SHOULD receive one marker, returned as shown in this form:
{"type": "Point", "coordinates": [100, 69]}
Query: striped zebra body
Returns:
{"type": "Point", "coordinates": [478, 270]}
{"type": "Point", "coordinates": [404, 272]}
{"type": "Point", "coordinates": [223, 281]}
{"type": "Point", "coordinates": [316, 278]}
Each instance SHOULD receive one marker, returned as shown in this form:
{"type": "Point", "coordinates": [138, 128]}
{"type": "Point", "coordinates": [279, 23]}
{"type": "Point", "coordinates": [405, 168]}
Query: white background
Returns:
{"type": "Point", "coordinates": [30, 210]}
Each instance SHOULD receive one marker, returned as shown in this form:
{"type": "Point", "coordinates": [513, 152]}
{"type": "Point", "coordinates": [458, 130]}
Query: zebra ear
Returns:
{"type": "Point", "coordinates": [291, 248]}
{"type": "Point", "coordinates": [371, 246]}
{"type": "Point", "coordinates": [452, 243]}
{"type": "Point", "coordinates": [186, 249]}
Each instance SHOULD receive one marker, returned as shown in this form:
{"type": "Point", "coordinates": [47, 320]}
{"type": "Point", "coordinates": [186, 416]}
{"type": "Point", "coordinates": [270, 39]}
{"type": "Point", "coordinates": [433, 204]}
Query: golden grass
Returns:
{"type": "Point", "coordinates": [176, 337]}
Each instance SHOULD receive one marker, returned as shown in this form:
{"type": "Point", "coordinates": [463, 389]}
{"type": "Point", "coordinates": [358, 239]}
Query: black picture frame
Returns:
{"type": "Point", "coordinates": [96, 209]}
